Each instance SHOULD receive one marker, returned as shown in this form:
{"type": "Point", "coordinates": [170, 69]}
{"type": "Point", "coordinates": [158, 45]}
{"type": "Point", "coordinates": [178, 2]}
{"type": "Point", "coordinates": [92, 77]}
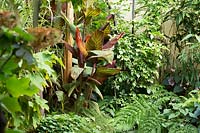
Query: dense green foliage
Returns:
{"type": "Point", "coordinates": [74, 123]}
{"type": "Point", "coordinates": [155, 83]}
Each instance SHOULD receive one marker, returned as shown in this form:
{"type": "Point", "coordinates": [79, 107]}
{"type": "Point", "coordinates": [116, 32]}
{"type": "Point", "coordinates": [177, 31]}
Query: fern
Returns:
{"type": "Point", "coordinates": [180, 128]}
{"type": "Point", "coordinates": [160, 96]}
{"type": "Point", "coordinates": [139, 114]}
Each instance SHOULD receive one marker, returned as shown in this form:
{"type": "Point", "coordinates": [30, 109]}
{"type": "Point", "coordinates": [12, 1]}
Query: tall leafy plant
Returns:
{"type": "Point", "coordinates": [184, 76]}
{"type": "Point", "coordinates": [93, 63]}
{"type": "Point", "coordinates": [23, 74]}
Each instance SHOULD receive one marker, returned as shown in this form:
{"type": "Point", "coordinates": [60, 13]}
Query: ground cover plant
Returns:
{"type": "Point", "coordinates": [79, 66]}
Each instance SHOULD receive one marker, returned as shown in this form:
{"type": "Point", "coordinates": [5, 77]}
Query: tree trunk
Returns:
{"type": "Point", "coordinates": [69, 40]}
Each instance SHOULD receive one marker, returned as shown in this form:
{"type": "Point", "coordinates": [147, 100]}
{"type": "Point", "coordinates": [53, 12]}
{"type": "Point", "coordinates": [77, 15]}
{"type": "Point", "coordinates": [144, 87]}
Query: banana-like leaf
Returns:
{"type": "Point", "coordinates": [80, 43]}
{"type": "Point", "coordinates": [70, 87]}
{"type": "Point", "coordinates": [72, 27]}
{"type": "Point", "coordinates": [94, 80]}
{"type": "Point", "coordinates": [76, 71]}
{"type": "Point", "coordinates": [92, 12]}
{"type": "Point", "coordinates": [70, 48]}
{"type": "Point", "coordinates": [96, 41]}
{"type": "Point", "coordinates": [104, 71]}
{"type": "Point", "coordinates": [95, 89]}
{"type": "Point", "coordinates": [108, 55]}
{"type": "Point", "coordinates": [113, 41]}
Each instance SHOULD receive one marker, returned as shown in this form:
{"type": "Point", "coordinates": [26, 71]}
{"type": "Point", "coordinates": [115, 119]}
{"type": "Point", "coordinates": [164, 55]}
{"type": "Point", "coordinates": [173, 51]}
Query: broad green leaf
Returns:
{"type": "Point", "coordinates": [108, 55]}
{"type": "Point", "coordinates": [45, 62]}
{"type": "Point", "coordinates": [60, 95]}
{"type": "Point", "coordinates": [174, 115]}
{"type": "Point", "coordinates": [41, 102]}
{"type": "Point", "coordinates": [38, 80]}
{"type": "Point", "coordinates": [76, 71]}
{"type": "Point", "coordinates": [10, 66]}
{"type": "Point", "coordinates": [11, 104]}
{"type": "Point", "coordinates": [23, 34]}
{"type": "Point", "coordinates": [96, 41]}
{"type": "Point", "coordinates": [19, 87]}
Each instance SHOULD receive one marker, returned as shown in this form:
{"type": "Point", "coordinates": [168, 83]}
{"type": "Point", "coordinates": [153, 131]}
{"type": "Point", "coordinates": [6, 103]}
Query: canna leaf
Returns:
{"type": "Point", "coordinates": [80, 43]}
{"type": "Point", "coordinates": [96, 41]}
{"type": "Point", "coordinates": [72, 27]}
{"type": "Point", "coordinates": [104, 71]}
{"type": "Point", "coordinates": [70, 87]}
{"type": "Point", "coordinates": [70, 48]}
{"type": "Point", "coordinates": [76, 71]}
{"type": "Point", "coordinates": [96, 90]}
{"type": "Point", "coordinates": [113, 41]}
{"type": "Point", "coordinates": [108, 55]}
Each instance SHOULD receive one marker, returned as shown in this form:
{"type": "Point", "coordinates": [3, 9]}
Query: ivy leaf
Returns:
{"type": "Point", "coordinates": [96, 41]}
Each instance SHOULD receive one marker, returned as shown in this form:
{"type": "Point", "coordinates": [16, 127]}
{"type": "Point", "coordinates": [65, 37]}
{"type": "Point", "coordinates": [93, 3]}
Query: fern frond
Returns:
{"type": "Point", "coordinates": [180, 128]}
{"type": "Point", "coordinates": [139, 113]}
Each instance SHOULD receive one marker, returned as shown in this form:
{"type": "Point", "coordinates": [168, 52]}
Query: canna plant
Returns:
{"type": "Point", "coordinates": [92, 64]}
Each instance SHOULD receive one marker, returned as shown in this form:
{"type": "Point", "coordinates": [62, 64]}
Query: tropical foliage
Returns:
{"type": "Point", "coordinates": [80, 66]}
